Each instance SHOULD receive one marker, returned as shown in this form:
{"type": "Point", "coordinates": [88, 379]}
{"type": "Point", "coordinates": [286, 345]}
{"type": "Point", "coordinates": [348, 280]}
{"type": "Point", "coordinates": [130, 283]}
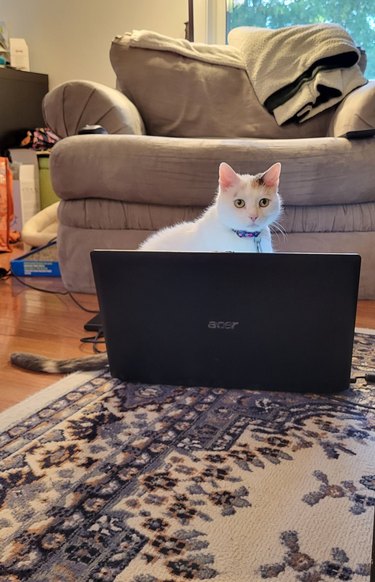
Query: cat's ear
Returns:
{"type": "Point", "coordinates": [227, 176]}
{"type": "Point", "coordinates": [272, 175]}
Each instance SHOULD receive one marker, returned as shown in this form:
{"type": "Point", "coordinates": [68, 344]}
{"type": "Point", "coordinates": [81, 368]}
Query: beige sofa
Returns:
{"type": "Point", "coordinates": [178, 111]}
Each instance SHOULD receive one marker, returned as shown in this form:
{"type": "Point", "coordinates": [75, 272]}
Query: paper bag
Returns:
{"type": "Point", "coordinates": [6, 206]}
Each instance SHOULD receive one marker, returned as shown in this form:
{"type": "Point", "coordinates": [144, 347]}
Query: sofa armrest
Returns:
{"type": "Point", "coordinates": [74, 104]}
{"type": "Point", "coordinates": [355, 116]}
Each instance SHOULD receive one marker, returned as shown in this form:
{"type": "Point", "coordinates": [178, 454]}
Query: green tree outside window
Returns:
{"type": "Point", "coordinates": [356, 16]}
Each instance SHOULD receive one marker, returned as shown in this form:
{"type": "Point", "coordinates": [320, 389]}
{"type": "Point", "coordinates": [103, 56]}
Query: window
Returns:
{"type": "Point", "coordinates": [356, 16]}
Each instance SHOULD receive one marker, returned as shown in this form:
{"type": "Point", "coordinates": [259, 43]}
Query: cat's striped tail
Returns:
{"type": "Point", "coordinates": [38, 363]}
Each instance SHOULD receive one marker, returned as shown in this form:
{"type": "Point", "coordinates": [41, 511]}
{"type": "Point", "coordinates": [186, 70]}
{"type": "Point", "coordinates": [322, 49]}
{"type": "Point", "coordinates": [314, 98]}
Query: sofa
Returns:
{"type": "Point", "coordinates": [178, 110]}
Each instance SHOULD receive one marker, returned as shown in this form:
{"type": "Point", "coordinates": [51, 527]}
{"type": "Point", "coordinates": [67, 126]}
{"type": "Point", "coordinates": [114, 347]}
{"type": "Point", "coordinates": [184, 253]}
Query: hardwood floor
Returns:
{"type": "Point", "coordinates": [52, 325]}
{"type": "Point", "coordinates": [32, 321]}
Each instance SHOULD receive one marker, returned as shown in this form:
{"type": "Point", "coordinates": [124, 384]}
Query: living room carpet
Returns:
{"type": "Point", "coordinates": [101, 480]}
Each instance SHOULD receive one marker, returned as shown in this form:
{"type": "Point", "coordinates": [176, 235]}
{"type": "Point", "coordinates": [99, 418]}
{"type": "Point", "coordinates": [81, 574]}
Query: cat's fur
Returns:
{"type": "Point", "coordinates": [214, 230]}
{"type": "Point", "coordinates": [50, 366]}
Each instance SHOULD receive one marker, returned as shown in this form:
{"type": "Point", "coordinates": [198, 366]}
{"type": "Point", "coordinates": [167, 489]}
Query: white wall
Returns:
{"type": "Point", "coordinates": [70, 39]}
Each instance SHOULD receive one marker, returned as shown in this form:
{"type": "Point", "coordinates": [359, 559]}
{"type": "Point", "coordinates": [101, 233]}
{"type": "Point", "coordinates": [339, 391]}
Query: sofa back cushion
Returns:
{"type": "Point", "coordinates": [183, 89]}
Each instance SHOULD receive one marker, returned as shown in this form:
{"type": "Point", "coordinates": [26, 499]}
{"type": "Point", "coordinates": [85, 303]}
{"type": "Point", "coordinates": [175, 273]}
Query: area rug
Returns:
{"type": "Point", "coordinates": [102, 480]}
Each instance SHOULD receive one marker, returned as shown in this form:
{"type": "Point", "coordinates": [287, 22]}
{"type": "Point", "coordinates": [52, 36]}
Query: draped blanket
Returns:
{"type": "Point", "coordinates": [207, 53]}
{"type": "Point", "coordinates": [298, 71]}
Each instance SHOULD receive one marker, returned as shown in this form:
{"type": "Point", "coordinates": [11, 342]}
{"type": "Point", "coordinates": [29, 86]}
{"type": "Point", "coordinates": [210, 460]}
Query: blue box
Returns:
{"type": "Point", "coordinates": [41, 262]}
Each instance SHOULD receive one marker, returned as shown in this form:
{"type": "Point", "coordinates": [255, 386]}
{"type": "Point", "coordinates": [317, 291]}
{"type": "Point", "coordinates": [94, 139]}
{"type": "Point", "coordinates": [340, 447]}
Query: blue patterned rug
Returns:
{"type": "Point", "coordinates": [134, 483]}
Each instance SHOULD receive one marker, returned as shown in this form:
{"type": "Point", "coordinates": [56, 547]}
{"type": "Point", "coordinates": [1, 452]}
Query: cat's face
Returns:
{"type": "Point", "coordinates": [248, 202]}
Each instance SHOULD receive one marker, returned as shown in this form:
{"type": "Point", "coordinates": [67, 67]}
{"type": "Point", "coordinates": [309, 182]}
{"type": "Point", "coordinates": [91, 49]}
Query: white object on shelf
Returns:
{"type": "Point", "coordinates": [19, 54]}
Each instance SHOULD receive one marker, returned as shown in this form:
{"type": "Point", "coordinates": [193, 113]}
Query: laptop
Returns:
{"type": "Point", "coordinates": [282, 321]}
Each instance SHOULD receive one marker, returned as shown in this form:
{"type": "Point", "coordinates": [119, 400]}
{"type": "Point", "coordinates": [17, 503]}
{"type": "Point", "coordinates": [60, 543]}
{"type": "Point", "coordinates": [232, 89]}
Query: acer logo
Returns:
{"type": "Point", "coordinates": [222, 324]}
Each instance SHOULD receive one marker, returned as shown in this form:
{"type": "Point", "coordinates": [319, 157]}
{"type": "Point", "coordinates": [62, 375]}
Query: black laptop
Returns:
{"type": "Point", "coordinates": [234, 320]}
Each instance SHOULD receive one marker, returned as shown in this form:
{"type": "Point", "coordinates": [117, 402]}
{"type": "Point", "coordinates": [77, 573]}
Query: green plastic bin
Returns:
{"type": "Point", "coordinates": [47, 194]}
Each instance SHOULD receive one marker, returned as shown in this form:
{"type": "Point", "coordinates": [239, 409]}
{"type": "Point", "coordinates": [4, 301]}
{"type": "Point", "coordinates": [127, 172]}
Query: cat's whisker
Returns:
{"type": "Point", "coordinates": [280, 228]}
{"type": "Point", "coordinates": [280, 233]}
{"type": "Point", "coordinates": [277, 229]}
{"type": "Point", "coordinates": [278, 224]}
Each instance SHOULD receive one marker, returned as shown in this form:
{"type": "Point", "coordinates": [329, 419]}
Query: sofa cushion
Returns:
{"type": "Point", "coordinates": [180, 90]}
{"type": "Point", "coordinates": [184, 172]}
{"type": "Point", "coordinates": [356, 114]}
{"type": "Point", "coordinates": [104, 214]}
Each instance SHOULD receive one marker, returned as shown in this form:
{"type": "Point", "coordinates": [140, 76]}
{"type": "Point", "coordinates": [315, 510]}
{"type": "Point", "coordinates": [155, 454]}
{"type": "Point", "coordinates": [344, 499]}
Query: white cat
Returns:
{"type": "Point", "coordinates": [238, 219]}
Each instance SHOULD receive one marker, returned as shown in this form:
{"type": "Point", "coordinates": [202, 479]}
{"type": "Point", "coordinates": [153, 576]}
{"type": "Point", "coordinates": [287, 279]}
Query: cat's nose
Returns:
{"type": "Point", "coordinates": [253, 218]}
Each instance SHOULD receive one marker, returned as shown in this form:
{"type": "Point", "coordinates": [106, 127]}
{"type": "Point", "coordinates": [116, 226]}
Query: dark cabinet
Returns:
{"type": "Point", "coordinates": [21, 95]}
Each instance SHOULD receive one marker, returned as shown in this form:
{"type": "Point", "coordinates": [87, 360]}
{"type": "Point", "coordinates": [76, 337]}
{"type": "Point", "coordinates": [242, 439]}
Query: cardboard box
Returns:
{"type": "Point", "coordinates": [41, 262]}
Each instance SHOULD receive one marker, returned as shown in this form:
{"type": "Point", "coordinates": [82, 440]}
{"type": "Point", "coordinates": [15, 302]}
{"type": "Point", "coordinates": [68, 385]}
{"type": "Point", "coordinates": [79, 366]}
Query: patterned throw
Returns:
{"type": "Point", "coordinates": [133, 483]}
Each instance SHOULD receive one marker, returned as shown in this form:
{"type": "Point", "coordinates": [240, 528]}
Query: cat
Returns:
{"type": "Point", "coordinates": [238, 220]}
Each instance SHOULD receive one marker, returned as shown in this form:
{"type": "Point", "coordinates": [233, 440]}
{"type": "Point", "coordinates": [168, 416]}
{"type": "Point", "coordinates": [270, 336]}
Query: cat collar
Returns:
{"type": "Point", "coordinates": [249, 234]}
{"type": "Point", "coordinates": [246, 233]}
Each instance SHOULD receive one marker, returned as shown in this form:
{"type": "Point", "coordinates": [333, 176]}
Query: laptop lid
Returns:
{"type": "Point", "coordinates": [234, 320]}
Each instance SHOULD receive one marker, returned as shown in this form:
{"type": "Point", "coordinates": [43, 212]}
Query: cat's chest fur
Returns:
{"type": "Point", "coordinates": [207, 233]}
{"type": "Point", "coordinates": [219, 237]}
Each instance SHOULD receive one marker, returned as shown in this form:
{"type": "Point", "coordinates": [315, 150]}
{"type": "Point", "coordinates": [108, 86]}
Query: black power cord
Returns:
{"type": "Point", "coordinates": [95, 340]}
{"type": "Point", "coordinates": [68, 293]}
{"type": "Point", "coordinates": [370, 378]}
{"type": "Point", "coordinates": [4, 273]}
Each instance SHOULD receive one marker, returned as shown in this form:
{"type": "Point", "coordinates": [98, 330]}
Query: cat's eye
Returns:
{"type": "Point", "coordinates": [264, 202]}
{"type": "Point", "coordinates": [239, 203]}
